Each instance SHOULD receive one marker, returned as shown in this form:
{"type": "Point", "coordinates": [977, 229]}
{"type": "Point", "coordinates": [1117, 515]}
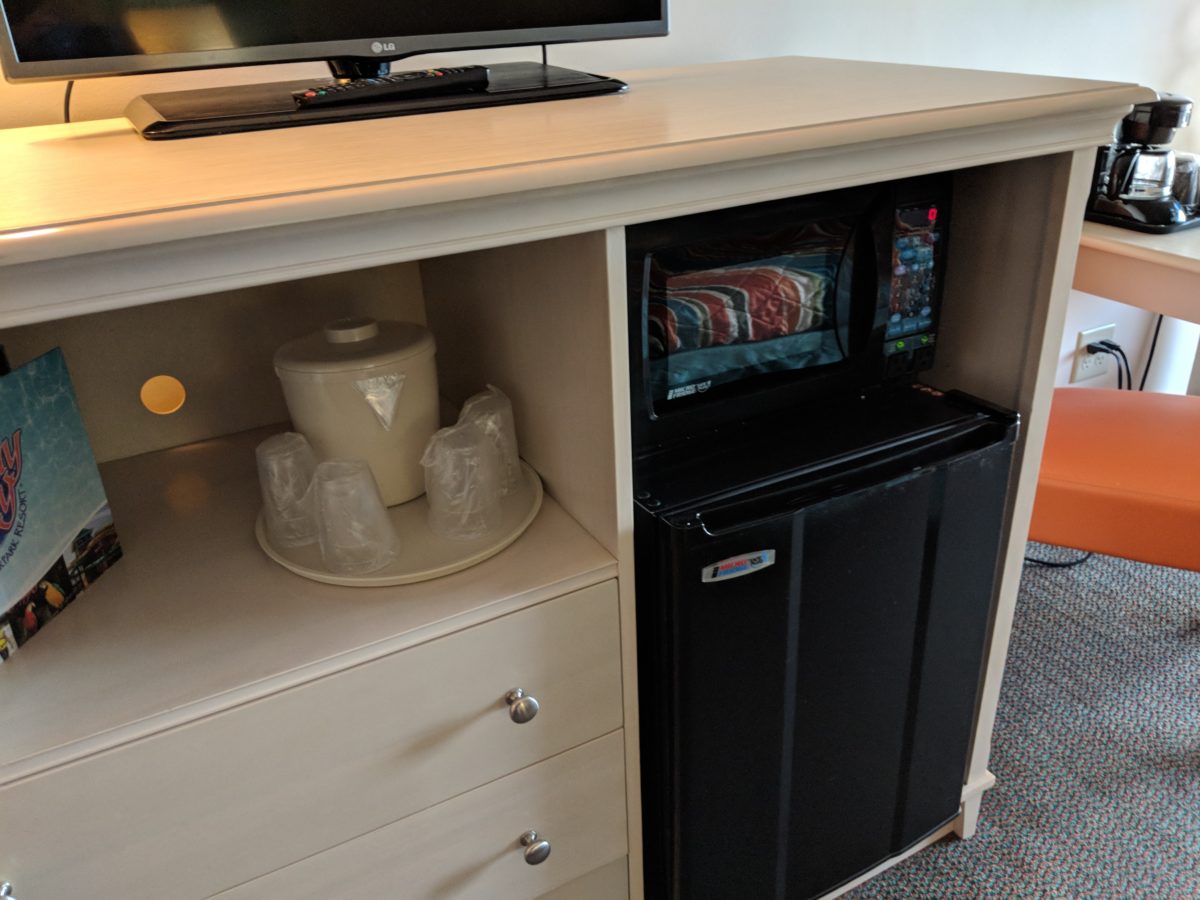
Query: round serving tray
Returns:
{"type": "Point", "coordinates": [423, 555]}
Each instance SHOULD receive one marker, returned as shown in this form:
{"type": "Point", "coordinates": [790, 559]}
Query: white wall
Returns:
{"type": "Point", "coordinates": [701, 31]}
{"type": "Point", "coordinates": [1153, 42]}
{"type": "Point", "coordinates": [1134, 329]}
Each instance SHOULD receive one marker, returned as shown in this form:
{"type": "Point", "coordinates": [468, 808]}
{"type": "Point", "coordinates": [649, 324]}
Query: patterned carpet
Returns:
{"type": "Point", "coordinates": [1097, 747]}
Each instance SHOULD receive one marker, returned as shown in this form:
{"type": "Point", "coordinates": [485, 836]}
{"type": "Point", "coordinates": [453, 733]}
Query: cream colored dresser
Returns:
{"type": "Point", "coordinates": [201, 722]}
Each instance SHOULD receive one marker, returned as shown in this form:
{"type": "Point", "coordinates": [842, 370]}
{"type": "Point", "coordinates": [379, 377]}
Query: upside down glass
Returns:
{"type": "Point", "coordinates": [492, 411]}
{"type": "Point", "coordinates": [353, 527]}
{"type": "Point", "coordinates": [464, 476]}
{"type": "Point", "coordinates": [286, 464]}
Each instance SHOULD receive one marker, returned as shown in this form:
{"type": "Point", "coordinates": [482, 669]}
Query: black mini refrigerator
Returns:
{"type": "Point", "coordinates": [814, 596]}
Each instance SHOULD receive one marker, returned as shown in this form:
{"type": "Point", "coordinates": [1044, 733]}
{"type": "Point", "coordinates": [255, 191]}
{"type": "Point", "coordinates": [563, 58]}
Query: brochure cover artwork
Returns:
{"type": "Point", "coordinates": [56, 529]}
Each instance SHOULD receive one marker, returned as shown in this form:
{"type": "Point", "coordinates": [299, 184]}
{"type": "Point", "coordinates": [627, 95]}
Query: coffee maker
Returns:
{"type": "Point", "coordinates": [1140, 182]}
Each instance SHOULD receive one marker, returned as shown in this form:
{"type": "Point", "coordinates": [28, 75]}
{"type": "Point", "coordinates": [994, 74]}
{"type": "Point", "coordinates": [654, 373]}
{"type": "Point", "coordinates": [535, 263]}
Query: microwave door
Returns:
{"type": "Point", "coordinates": [754, 311]}
{"type": "Point", "coordinates": [823, 664]}
{"type": "Point", "coordinates": [717, 315]}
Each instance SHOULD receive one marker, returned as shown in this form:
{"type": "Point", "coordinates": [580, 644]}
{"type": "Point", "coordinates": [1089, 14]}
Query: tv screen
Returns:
{"type": "Point", "coordinates": [77, 38]}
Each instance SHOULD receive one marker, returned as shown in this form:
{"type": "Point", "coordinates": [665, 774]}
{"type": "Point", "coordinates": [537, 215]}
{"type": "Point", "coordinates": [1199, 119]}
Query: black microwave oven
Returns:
{"type": "Point", "coordinates": [746, 312]}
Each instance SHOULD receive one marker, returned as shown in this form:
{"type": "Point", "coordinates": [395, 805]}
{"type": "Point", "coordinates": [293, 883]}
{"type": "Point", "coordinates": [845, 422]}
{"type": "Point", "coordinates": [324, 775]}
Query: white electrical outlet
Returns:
{"type": "Point", "coordinates": [1093, 365]}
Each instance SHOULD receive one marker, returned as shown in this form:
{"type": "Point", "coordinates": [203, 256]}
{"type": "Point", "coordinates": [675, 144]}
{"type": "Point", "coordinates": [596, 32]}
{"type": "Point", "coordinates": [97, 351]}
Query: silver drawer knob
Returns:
{"type": "Point", "coordinates": [6, 888]}
{"type": "Point", "coordinates": [521, 706]}
{"type": "Point", "coordinates": [536, 849]}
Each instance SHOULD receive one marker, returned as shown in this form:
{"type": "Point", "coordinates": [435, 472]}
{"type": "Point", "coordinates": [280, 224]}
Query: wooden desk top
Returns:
{"type": "Point", "coordinates": [1158, 272]}
{"type": "Point", "coordinates": [1180, 251]}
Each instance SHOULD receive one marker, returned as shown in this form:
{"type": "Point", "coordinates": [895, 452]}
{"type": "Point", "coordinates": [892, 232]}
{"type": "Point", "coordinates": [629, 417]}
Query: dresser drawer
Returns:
{"type": "Point", "coordinates": [609, 882]}
{"type": "Point", "coordinates": [203, 807]}
{"type": "Point", "coordinates": [469, 847]}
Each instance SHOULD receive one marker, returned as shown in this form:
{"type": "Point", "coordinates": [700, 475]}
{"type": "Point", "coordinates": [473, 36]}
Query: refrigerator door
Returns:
{"type": "Point", "coordinates": [814, 672]}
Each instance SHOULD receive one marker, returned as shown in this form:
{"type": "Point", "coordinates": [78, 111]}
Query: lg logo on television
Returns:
{"type": "Point", "coordinates": [382, 46]}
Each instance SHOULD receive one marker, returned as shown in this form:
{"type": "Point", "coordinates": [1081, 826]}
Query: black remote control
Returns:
{"type": "Point", "coordinates": [403, 84]}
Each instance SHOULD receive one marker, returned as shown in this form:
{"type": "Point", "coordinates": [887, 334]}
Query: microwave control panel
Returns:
{"type": "Point", "coordinates": [917, 238]}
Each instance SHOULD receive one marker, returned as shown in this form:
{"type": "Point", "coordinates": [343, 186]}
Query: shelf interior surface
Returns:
{"type": "Point", "coordinates": [195, 618]}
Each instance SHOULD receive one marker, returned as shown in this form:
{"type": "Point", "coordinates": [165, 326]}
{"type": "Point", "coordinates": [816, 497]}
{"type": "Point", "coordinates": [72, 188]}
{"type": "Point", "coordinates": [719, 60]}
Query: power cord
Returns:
{"type": "Point", "coordinates": [1150, 355]}
{"type": "Point", "coordinates": [1124, 370]}
{"type": "Point", "coordinates": [1116, 348]}
{"type": "Point", "coordinates": [1098, 347]}
{"type": "Point", "coordinates": [1058, 564]}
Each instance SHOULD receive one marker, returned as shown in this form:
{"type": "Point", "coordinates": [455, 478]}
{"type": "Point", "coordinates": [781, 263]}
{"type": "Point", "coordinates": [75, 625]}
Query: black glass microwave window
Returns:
{"type": "Point", "coordinates": [723, 310]}
{"type": "Point", "coordinates": [916, 250]}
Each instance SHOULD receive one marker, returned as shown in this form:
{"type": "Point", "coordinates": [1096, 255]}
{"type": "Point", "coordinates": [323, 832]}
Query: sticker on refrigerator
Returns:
{"type": "Point", "coordinates": [737, 566]}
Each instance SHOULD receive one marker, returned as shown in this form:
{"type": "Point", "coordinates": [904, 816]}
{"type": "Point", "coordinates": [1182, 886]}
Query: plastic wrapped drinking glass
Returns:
{"type": "Point", "coordinates": [286, 464]}
{"type": "Point", "coordinates": [492, 411]}
{"type": "Point", "coordinates": [463, 481]}
{"type": "Point", "coordinates": [354, 531]}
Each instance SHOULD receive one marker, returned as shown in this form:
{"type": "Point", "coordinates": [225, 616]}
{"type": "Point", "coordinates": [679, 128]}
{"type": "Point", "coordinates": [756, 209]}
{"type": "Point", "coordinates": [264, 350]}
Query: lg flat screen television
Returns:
{"type": "Point", "coordinates": [67, 39]}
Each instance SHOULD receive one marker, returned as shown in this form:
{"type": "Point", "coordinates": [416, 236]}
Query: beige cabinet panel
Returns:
{"type": "Point", "coordinates": [609, 882]}
{"type": "Point", "coordinates": [468, 848]}
{"type": "Point", "coordinates": [203, 807]}
{"type": "Point", "coordinates": [207, 744]}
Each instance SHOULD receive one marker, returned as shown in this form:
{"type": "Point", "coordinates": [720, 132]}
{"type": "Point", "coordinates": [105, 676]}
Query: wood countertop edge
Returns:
{"type": "Point", "coordinates": [54, 240]}
{"type": "Point", "coordinates": [1157, 249]}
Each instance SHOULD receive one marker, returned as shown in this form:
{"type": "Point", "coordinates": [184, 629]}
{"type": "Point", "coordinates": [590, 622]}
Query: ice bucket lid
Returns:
{"type": "Point", "coordinates": [351, 345]}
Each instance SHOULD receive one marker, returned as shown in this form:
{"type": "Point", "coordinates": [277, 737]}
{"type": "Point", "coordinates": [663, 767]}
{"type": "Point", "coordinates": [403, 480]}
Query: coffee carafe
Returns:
{"type": "Point", "coordinates": [1140, 182]}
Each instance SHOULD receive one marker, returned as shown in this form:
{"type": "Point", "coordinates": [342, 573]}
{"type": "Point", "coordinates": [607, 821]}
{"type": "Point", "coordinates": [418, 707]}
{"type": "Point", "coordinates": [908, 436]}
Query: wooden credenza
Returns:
{"type": "Point", "coordinates": [202, 722]}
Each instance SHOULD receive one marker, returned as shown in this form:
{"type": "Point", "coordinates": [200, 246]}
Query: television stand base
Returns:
{"type": "Point", "coordinates": [255, 107]}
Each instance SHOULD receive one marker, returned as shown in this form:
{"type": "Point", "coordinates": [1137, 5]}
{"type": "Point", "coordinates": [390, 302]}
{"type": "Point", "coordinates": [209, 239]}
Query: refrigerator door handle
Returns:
{"type": "Point", "coordinates": [698, 520]}
{"type": "Point", "coordinates": [734, 517]}
{"type": "Point", "coordinates": [720, 519]}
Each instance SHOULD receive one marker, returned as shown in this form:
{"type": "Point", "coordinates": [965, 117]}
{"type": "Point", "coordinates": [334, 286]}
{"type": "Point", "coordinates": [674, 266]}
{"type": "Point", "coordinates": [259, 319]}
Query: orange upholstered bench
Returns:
{"type": "Point", "coordinates": [1121, 475]}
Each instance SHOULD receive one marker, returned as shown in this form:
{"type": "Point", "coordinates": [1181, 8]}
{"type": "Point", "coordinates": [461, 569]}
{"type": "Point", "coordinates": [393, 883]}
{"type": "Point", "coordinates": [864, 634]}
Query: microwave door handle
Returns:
{"type": "Point", "coordinates": [859, 330]}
